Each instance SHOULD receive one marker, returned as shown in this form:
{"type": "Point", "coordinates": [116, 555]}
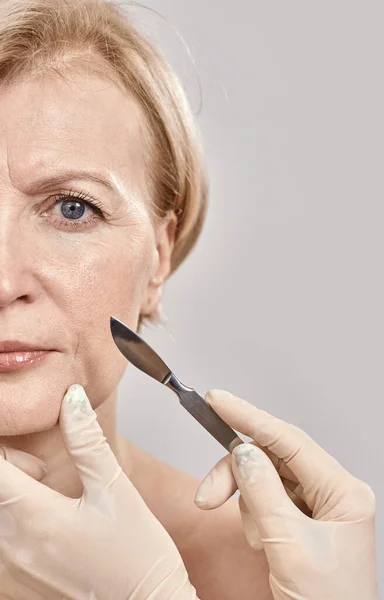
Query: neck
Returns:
{"type": "Point", "coordinates": [49, 446]}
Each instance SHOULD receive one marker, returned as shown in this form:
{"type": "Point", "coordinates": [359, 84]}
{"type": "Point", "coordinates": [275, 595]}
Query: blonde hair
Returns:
{"type": "Point", "coordinates": [43, 37]}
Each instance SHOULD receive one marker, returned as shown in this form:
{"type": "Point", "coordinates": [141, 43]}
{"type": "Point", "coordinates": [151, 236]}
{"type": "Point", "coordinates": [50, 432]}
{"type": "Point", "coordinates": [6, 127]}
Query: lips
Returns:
{"type": "Point", "coordinates": [19, 346]}
{"type": "Point", "coordinates": [13, 361]}
{"type": "Point", "coordinates": [16, 354]}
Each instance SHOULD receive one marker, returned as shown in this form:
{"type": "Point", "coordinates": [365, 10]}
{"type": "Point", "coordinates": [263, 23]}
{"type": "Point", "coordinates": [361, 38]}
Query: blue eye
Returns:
{"type": "Point", "coordinates": [72, 209]}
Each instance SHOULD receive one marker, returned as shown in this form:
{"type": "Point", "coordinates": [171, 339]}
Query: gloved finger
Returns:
{"type": "Point", "coordinates": [31, 465]}
{"type": "Point", "coordinates": [217, 486]}
{"type": "Point", "coordinates": [220, 484]}
{"type": "Point", "coordinates": [18, 489]}
{"type": "Point", "coordinates": [313, 467]}
{"type": "Point", "coordinates": [86, 444]}
{"type": "Point", "coordinates": [251, 531]}
{"type": "Point", "coordinates": [283, 470]}
{"type": "Point", "coordinates": [295, 493]}
{"type": "Point", "coordinates": [263, 493]}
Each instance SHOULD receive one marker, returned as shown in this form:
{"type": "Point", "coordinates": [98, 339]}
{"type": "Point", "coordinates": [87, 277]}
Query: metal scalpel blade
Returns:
{"type": "Point", "coordinates": [140, 354]}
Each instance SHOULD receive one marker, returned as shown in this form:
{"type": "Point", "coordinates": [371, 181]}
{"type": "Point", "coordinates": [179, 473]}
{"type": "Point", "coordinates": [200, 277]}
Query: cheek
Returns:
{"type": "Point", "coordinates": [109, 280]}
{"type": "Point", "coordinates": [83, 284]}
{"type": "Point", "coordinates": [113, 281]}
{"type": "Point", "coordinates": [100, 278]}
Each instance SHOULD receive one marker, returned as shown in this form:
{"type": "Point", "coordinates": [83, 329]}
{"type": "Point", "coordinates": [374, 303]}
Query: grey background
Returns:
{"type": "Point", "coordinates": [282, 300]}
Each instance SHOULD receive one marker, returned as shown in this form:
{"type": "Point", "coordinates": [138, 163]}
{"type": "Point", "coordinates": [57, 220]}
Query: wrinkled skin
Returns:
{"type": "Point", "coordinates": [58, 285]}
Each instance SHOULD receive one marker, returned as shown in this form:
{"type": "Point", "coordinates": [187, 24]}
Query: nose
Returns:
{"type": "Point", "coordinates": [18, 280]}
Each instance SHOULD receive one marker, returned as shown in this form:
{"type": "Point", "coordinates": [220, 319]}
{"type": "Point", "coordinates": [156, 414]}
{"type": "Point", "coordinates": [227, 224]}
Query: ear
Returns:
{"type": "Point", "coordinates": [165, 241]}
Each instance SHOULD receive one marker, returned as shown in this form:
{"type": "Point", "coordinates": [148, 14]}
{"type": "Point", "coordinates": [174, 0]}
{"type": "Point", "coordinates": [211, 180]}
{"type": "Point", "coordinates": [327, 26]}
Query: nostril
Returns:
{"type": "Point", "coordinates": [24, 298]}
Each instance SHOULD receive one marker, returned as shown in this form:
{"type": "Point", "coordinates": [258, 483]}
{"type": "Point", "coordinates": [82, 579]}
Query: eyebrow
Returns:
{"type": "Point", "coordinates": [71, 175]}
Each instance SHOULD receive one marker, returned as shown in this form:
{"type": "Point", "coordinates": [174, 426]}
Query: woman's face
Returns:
{"type": "Point", "coordinates": [64, 267]}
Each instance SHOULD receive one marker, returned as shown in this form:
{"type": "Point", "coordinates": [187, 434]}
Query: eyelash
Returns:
{"type": "Point", "coordinates": [77, 224]}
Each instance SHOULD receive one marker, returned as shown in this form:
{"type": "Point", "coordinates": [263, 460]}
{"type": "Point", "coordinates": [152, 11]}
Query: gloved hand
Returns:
{"type": "Point", "coordinates": [328, 556]}
{"type": "Point", "coordinates": [105, 545]}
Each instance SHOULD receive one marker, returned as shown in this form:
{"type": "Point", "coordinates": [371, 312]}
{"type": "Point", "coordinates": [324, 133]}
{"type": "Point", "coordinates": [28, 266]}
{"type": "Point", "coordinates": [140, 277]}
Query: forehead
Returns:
{"type": "Point", "coordinates": [84, 121]}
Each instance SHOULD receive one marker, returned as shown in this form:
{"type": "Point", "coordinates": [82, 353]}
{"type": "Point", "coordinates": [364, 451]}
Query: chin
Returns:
{"type": "Point", "coordinates": [30, 397]}
{"type": "Point", "coordinates": [27, 409]}
{"type": "Point", "coordinates": [30, 424]}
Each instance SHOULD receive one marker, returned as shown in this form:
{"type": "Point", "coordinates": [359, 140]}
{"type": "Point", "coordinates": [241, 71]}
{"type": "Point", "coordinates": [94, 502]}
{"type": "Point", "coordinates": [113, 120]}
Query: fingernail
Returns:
{"type": "Point", "coordinates": [77, 400]}
{"type": "Point", "coordinates": [200, 498]}
{"type": "Point", "coordinates": [204, 491]}
{"type": "Point", "coordinates": [217, 395]}
{"type": "Point", "coordinates": [247, 457]}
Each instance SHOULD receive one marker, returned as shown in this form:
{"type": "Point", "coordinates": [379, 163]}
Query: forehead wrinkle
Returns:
{"type": "Point", "coordinates": [82, 118]}
{"type": "Point", "coordinates": [100, 142]}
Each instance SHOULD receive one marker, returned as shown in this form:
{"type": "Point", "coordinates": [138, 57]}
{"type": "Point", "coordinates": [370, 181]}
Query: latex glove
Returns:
{"type": "Point", "coordinates": [105, 545]}
{"type": "Point", "coordinates": [330, 556]}
{"type": "Point", "coordinates": [33, 466]}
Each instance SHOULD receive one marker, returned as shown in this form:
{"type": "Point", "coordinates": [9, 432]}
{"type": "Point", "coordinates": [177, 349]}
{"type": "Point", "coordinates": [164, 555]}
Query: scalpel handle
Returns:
{"type": "Point", "coordinates": [203, 413]}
